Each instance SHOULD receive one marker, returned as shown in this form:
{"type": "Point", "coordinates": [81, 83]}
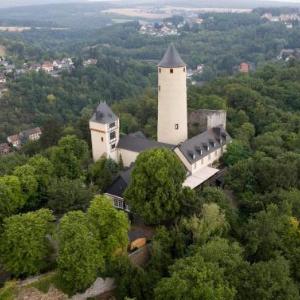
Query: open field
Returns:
{"type": "Point", "coordinates": [168, 11]}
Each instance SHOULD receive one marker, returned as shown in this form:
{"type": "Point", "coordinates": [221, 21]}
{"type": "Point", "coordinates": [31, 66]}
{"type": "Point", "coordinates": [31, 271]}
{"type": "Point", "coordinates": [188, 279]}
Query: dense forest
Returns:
{"type": "Point", "coordinates": [240, 242]}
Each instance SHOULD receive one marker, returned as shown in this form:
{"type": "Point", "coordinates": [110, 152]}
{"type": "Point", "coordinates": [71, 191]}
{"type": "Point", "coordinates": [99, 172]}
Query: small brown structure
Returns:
{"type": "Point", "coordinates": [4, 149]}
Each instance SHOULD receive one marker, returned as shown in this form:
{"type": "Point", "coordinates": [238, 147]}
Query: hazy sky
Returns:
{"type": "Point", "coordinates": [28, 2]}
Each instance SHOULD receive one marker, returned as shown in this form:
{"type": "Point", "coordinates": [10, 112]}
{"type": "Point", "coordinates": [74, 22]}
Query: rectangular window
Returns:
{"type": "Point", "coordinates": [101, 139]}
{"type": "Point", "coordinates": [111, 125]}
{"type": "Point", "coordinates": [183, 69]}
{"type": "Point", "coordinates": [113, 146]}
{"type": "Point", "coordinates": [159, 88]}
{"type": "Point", "coordinates": [112, 135]}
{"type": "Point", "coordinates": [171, 71]}
{"type": "Point", "coordinates": [176, 126]}
{"type": "Point", "coordinates": [159, 70]}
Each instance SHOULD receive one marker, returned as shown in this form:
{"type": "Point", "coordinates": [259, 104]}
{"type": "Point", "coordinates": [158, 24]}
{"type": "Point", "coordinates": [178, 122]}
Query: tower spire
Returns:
{"type": "Point", "coordinates": [171, 59]}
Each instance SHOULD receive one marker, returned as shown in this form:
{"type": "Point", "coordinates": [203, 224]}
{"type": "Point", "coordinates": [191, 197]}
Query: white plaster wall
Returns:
{"type": "Point", "coordinates": [104, 147]}
{"type": "Point", "coordinates": [128, 157]}
{"type": "Point", "coordinates": [205, 161]}
{"type": "Point", "coordinates": [172, 106]}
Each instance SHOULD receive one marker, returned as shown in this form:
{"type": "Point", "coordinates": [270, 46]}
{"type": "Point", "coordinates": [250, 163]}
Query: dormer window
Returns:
{"type": "Point", "coordinates": [192, 154]}
{"type": "Point", "coordinates": [171, 71]}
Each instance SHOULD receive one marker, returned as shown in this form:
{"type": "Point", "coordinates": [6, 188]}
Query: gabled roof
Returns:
{"type": "Point", "coordinates": [104, 114]}
{"type": "Point", "coordinates": [121, 182]}
{"type": "Point", "coordinates": [171, 59]}
{"type": "Point", "coordinates": [136, 142]}
{"type": "Point", "coordinates": [204, 143]}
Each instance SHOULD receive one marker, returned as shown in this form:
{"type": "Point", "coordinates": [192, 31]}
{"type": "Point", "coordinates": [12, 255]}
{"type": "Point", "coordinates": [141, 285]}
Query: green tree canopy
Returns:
{"type": "Point", "coordinates": [11, 196]}
{"type": "Point", "coordinates": [156, 186]}
{"type": "Point", "coordinates": [79, 258]}
{"type": "Point", "coordinates": [109, 226]}
{"type": "Point", "coordinates": [64, 194]}
{"type": "Point", "coordinates": [193, 278]}
{"type": "Point", "coordinates": [24, 244]}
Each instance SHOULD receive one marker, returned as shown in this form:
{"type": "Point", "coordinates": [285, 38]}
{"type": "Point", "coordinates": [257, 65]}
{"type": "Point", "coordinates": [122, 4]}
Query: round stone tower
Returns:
{"type": "Point", "coordinates": [172, 99]}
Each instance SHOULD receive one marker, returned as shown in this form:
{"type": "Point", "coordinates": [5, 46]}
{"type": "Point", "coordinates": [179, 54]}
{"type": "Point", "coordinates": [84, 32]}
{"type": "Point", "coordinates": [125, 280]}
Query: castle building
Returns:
{"type": "Point", "coordinates": [198, 154]}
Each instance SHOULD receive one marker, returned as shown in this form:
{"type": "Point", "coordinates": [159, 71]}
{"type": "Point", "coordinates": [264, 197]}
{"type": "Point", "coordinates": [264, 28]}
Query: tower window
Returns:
{"type": "Point", "coordinates": [176, 126]}
{"type": "Point", "coordinates": [171, 71]}
{"type": "Point", "coordinates": [113, 146]}
{"type": "Point", "coordinates": [111, 125]}
{"type": "Point", "coordinates": [112, 135]}
{"type": "Point", "coordinates": [183, 69]}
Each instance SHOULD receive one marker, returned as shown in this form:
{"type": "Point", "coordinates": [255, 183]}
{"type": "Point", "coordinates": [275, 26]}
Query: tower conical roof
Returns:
{"type": "Point", "coordinates": [171, 59]}
{"type": "Point", "coordinates": [104, 114]}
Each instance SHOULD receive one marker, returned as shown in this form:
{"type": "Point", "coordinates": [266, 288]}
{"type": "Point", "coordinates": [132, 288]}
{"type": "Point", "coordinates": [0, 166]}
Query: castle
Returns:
{"type": "Point", "coordinates": [197, 153]}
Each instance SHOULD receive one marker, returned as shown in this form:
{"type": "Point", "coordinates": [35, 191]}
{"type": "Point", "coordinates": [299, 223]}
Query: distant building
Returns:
{"type": "Point", "coordinates": [32, 134]}
{"type": "Point", "coordinates": [14, 140]}
{"type": "Point", "coordinates": [287, 54]}
{"type": "Point", "coordinates": [4, 149]}
{"type": "Point", "coordinates": [89, 62]}
{"type": "Point", "coordinates": [244, 68]}
{"type": "Point", "coordinates": [47, 66]}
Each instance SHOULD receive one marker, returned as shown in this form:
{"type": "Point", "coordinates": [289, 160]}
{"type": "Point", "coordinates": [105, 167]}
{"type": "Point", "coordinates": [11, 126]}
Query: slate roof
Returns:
{"type": "Point", "coordinates": [28, 132]}
{"type": "Point", "coordinates": [120, 184]}
{"type": "Point", "coordinates": [171, 59]}
{"type": "Point", "coordinates": [137, 142]}
{"type": "Point", "coordinates": [203, 144]}
{"type": "Point", "coordinates": [104, 114]}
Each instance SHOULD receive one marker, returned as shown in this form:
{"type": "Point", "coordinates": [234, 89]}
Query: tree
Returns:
{"type": "Point", "coordinates": [193, 278]}
{"type": "Point", "coordinates": [212, 221]}
{"type": "Point", "coordinates": [102, 173]}
{"type": "Point", "coordinates": [156, 186]}
{"type": "Point", "coordinates": [69, 157]}
{"type": "Point", "coordinates": [218, 196]}
{"type": "Point", "coordinates": [65, 194]}
{"type": "Point", "coordinates": [11, 197]}
{"type": "Point", "coordinates": [79, 258]}
{"type": "Point", "coordinates": [52, 130]}
{"type": "Point", "coordinates": [268, 280]}
{"type": "Point", "coordinates": [29, 184]}
{"type": "Point", "coordinates": [24, 245]}
{"type": "Point", "coordinates": [228, 255]}
{"type": "Point", "coordinates": [131, 281]}
{"type": "Point", "coordinates": [109, 226]}
{"type": "Point", "coordinates": [266, 233]}
{"type": "Point", "coordinates": [236, 151]}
